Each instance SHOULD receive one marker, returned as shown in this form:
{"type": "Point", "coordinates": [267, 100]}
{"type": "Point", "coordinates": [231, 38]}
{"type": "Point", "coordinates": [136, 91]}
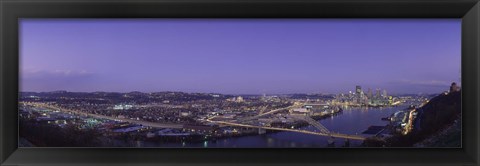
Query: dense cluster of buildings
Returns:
{"type": "Point", "coordinates": [190, 111]}
{"type": "Point", "coordinates": [360, 98]}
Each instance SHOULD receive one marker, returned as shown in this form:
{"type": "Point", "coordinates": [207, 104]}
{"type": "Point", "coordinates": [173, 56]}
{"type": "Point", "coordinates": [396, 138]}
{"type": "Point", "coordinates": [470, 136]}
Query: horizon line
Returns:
{"type": "Point", "coordinates": [211, 92]}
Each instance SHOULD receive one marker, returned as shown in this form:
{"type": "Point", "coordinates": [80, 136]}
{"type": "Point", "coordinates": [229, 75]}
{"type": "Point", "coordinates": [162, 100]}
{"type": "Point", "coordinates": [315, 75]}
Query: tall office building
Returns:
{"type": "Point", "coordinates": [358, 90]}
{"type": "Point", "coordinates": [377, 95]}
{"type": "Point", "coordinates": [384, 93]}
{"type": "Point", "coordinates": [369, 93]}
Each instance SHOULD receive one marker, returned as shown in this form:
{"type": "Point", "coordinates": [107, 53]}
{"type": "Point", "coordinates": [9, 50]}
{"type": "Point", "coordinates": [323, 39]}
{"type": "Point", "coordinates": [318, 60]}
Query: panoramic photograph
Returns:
{"type": "Point", "coordinates": [240, 83]}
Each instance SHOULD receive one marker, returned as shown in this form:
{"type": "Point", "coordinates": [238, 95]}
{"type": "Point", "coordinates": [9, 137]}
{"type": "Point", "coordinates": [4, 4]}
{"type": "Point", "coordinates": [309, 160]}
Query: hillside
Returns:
{"type": "Point", "coordinates": [440, 111]}
{"type": "Point", "coordinates": [438, 124]}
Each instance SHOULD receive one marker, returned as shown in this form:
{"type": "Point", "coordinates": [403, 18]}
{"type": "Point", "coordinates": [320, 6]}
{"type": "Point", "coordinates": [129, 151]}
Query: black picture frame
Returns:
{"type": "Point", "coordinates": [13, 10]}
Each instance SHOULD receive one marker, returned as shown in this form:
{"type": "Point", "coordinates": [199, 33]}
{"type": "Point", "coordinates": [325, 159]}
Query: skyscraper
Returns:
{"type": "Point", "coordinates": [358, 94]}
{"type": "Point", "coordinates": [369, 93]}
{"type": "Point", "coordinates": [358, 90]}
{"type": "Point", "coordinates": [377, 95]}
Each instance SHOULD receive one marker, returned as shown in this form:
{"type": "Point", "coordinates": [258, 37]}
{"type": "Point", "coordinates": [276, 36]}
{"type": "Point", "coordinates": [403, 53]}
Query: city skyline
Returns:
{"type": "Point", "coordinates": [247, 56]}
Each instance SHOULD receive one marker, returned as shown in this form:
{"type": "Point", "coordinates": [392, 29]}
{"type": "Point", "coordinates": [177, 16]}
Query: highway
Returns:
{"type": "Point", "coordinates": [336, 135]}
{"type": "Point", "coordinates": [144, 123]}
{"type": "Point", "coordinates": [266, 113]}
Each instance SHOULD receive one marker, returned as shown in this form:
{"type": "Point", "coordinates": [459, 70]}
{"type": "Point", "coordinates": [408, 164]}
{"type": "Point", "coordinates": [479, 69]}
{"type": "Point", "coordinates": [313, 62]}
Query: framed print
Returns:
{"type": "Point", "coordinates": [239, 82]}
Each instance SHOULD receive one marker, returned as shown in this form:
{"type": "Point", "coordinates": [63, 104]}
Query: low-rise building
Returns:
{"type": "Point", "coordinates": [302, 111]}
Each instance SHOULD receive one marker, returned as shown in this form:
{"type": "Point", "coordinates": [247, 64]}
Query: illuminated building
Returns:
{"type": "Point", "coordinates": [122, 107]}
{"type": "Point", "coordinates": [239, 99]}
{"type": "Point", "coordinates": [301, 111]}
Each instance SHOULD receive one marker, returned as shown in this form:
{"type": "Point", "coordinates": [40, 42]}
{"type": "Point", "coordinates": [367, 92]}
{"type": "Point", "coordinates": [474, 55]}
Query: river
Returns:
{"type": "Point", "coordinates": [350, 121]}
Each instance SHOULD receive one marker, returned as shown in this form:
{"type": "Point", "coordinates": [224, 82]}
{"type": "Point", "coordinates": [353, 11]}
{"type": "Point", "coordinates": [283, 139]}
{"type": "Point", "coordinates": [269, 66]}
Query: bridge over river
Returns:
{"type": "Point", "coordinates": [336, 135]}
{"type": "Point", "coordinates": [323, 131]}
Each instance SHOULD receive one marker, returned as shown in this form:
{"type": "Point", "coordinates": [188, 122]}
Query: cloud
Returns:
{"type": "Point", "coordinates": [50, 80]}
{"type": "Point", "coordinates": [429, 83]}
{"type": "Point", "coordinates": [34, 73]}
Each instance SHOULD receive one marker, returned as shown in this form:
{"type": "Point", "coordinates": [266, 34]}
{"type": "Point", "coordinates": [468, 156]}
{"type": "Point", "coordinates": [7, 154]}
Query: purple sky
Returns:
{"type": "Point", "coordinates": [239, 56]}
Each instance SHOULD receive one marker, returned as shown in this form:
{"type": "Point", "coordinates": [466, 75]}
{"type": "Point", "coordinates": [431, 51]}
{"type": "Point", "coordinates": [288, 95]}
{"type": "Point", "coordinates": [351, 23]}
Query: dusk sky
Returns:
{"type": "Point", "coordinates": [240, 56]}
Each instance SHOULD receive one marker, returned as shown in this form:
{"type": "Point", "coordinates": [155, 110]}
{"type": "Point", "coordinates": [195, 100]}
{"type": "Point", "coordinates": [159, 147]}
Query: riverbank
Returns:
{"type": "Point", "coordinates": [436, 123]}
